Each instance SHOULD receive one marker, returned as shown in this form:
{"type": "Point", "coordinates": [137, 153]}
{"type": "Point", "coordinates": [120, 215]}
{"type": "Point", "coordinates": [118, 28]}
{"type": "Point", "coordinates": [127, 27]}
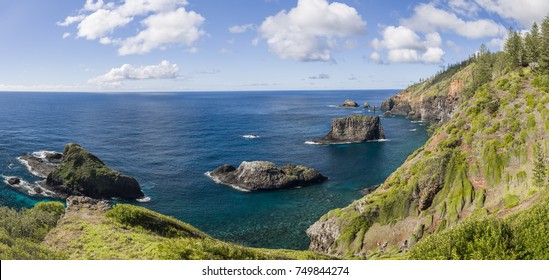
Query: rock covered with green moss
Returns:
{"type": "Point", "coordinates": [264, 175]}
{"type": "Point", "coordinates": [354, 129]}
{"type": "Point", "coordinates": [82, 173]}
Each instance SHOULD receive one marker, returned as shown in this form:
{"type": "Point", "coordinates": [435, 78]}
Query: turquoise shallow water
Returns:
{"type": "Point", "coordinates": [168, 142]}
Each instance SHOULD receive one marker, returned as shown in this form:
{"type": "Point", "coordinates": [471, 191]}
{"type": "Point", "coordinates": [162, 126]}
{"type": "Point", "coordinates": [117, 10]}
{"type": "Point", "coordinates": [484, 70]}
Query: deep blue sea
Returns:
{"type": "Point", "coordinates": [168, 141]}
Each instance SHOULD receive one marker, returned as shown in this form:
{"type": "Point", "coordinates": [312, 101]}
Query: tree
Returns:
{"type": "Point", "coordinates": [544, 45]}
{"type": "Point", "coordinates": [513, 48]}
{"type": "Point", "coordinates": [539, 168]}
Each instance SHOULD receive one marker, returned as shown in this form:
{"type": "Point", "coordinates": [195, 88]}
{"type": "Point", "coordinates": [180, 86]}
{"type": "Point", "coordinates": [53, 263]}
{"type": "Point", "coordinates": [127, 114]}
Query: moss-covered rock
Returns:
{"type": "Point", "coordinates": [82, 173]}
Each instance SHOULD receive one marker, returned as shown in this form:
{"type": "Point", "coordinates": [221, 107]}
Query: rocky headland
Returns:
{"type": "Point", "coordinates": [75, 172]}
{"type": "Point", "coordinates": [353, 129]}
{"type": "Point", "coordinates": [82, 173]}
{"type": "Point", "coordinates": [264, 175]}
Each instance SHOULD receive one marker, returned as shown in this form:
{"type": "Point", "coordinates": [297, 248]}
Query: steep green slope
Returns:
{"type": "Point", "coordinates": [91, 229]}
{"type": "Point", "coordinates": [479, 162]}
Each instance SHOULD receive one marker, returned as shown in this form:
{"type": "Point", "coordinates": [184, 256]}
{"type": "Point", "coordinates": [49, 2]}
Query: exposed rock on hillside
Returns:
{"type": "Point", "coordinates": [425, 103]}
{"type": "Point", "coordinates": [264, 175]}
{"type": "Point", "coordinates": [354, 129]}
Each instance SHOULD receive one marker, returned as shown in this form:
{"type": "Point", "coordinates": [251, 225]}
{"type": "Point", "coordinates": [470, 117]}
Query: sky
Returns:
{"type": "Point", "coordinates": [245, 45]}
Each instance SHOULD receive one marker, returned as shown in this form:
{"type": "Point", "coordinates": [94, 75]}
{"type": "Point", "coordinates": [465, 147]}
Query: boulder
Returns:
{"type": "Point", "coordinates": [82, 173]}
{"type": "Point", "coordinates": [354, 129]}
{"type": "Point", "coordinates": [264, 175]}
{"type": "Point", "coordinates": [54, 157]}
{"type": "Point", "coordinates": [366, 105]}
{"type": "Point", "coordinates": [14, 181]}
{"type": "Point", "coordinates": [348, 103]}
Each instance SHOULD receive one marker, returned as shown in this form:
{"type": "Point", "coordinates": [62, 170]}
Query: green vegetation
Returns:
{"type": "Point", "coordinates": [132, 232]}
{"type": "Point", "coordinates": [22, 231]}
{"type": "Point", "coordinates": [524, 235]}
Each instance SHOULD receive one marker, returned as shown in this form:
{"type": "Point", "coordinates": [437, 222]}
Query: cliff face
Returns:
{"type": "Point", "coordinates": [478, 163]}
{"type": "Point", "coordinates": [82, 173]}
{"type": "Point", "coordinates": [353, 129]}
{"type": "Point", "coordinates": [430, 101]}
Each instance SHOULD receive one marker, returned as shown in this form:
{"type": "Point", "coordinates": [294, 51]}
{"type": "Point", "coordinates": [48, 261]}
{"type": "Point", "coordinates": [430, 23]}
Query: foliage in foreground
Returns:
{"type": "Point", "coordinates": [22, 231]}
{"type": "Point", "coordinates": [524, 235]}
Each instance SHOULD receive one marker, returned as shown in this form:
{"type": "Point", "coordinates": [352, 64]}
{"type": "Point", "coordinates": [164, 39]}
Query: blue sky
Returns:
{"type": "Point", "coordinates": [203, 45]}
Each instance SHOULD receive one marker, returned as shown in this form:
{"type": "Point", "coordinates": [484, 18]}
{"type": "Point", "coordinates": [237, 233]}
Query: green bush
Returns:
{"type": "Point", "coordinates": [487, 238]}
{"type": "Point", "coordinates": [140, 217]}
{"type": "Point", "coordinates": [32, 223]}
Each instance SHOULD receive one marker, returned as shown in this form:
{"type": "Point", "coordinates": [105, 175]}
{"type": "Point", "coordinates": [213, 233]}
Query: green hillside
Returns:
{"type": "Point", "coordinates": [486, 159]}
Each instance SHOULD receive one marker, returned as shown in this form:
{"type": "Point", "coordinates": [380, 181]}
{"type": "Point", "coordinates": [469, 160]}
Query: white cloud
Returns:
{"type": "Point", "coordinates": [241, 28]}
{"type": "Point", "coordinates": [164, 70]}
{"type": "Point", "coordinates": [101, 23]}
{"type": "Point", "coordinates": [66, 35]}
{"type": "Point", "coordinates": [309, 31]}
{"type": "Point", "coordinates": [165, 23]}
{"type": "Point", "coordinates": [321, 76]}
{"type": "Point", "coordinates": [403, 45]}
{"type": "Point", "coordinates": [524, 11]}
{"type": "Point", "coordinates": [175, 27]}
{"type": "Point", "coordinates": [376, 57]}
{"type": "Point", "coordinates": [428, 18]}
{"type": "Point", "coordinates": [70, 20]}
{"type": "Point", "coordinates": [192, 50]}
{"type": "Point", "coordinates": [464, 7]}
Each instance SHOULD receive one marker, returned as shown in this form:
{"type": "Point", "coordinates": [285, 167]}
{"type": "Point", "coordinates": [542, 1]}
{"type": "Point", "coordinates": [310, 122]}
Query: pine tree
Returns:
{"type": "Point", "coordinates": [540, 168]}
{"type": "Point", "coordinates": [513, 48]}
{"type": "Point", "coordinates": [544, 45]}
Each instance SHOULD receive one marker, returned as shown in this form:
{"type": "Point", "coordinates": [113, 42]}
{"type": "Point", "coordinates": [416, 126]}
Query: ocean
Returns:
{"type": "Point", "coordinates": [168, 141]}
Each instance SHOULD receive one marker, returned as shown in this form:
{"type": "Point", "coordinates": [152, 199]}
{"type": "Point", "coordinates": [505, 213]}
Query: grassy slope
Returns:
{"type": "Point", "coordinates": [47, 231]}
{"type": "Point", "coordinates": [477, 164]}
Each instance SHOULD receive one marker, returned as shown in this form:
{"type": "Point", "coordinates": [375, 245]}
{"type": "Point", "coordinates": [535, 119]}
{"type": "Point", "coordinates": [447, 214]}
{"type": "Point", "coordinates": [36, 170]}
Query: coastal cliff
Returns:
{"type": "Point", "coordinates": [435, 100]}
{"type": "Point", "coordinates": [479, 164]}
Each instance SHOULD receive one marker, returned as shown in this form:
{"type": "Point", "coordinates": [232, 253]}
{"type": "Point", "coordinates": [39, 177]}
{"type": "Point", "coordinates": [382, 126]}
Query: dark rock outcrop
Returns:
{"type": "Point", "coordinates": [348, 103]}
{"type": "Point", "coordinates": [263, 175]}
{"type": "Point", "coordinates": [354, 129]}
{"type": "Point", "coordinates": [54, 157]}
{"type": "Point", "coordinates": [14, 181]}
{"type": "Point", "coordinates": [82, 173]}
{"type": "Point", "coordinates": [37, 166]}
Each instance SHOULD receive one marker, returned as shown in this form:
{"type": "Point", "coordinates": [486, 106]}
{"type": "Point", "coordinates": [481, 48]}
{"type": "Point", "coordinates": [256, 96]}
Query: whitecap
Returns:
{"type": "Point", "coordinates": [380, 140]}
{"type": "Point", "coordinates": [413, 129]}
{"type": "Point", "coordinates": [250, 136]}
{"type": "Point", "coordinates": [41, 154]}
{"type": "Point", "coordinates": [333, 106]}
{"type": "Point", "coordinates": [312, 143]}
{"type": "Point", "coordinates": [144, 199]}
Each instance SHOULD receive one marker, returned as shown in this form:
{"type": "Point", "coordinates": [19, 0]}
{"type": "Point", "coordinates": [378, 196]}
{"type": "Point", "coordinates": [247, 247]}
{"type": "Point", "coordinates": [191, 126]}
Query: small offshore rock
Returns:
{"type": "Point", "coordinates": [348, 103]}
{"type": "Point", "coordinates": [354, 129]}
{"type": "Point", "coordinates": [264, 175]}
